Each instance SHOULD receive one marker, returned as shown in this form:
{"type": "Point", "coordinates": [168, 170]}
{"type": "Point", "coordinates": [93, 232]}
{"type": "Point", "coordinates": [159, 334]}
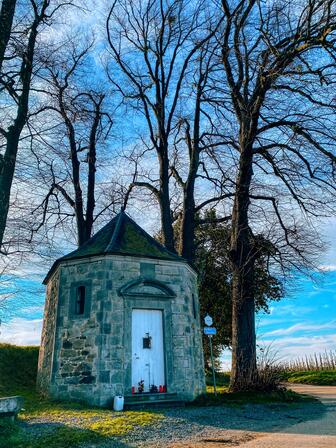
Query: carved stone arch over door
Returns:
{"type": "Point", "coordinates": [147, 288]}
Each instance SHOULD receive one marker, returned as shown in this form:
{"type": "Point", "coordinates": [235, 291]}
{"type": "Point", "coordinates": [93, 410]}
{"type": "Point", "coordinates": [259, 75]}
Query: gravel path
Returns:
{"type": "Point", "coordinates": [221, 426]}
{"type": "Point", "coordinates": [309, 424]}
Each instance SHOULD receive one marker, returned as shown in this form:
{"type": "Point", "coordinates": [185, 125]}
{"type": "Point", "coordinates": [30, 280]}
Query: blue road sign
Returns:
{"type": "Point", "coordinates": [210, 331]}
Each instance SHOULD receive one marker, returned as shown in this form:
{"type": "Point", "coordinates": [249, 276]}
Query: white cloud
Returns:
{"type": "Point", "coordinates": [21, 331]}
{"type": "Point", "coordinates": [291, 310]}
{"type": "Point", "coordinates": [33, 309]}
{"type": "Point", "coordinates": [290, 348]}
{"type": "Point", "coordinates": [328, 267]}
{"type": "Point", "coordinates": [301, 327]}
{"type": "Point", "coordinates": [299, 347]}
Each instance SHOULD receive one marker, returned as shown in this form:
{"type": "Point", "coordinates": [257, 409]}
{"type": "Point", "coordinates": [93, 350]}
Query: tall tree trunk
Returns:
{"type": "Point", "coordinates": [166, 218]}
{"type": "Point", "coordinates": [7, 168]}
{"type": "Point", "coordinates": [188, 225]}
{"type": "Point", "coordinates": [187, 239]}
{"type": "Point", "coordinates": [79, 209]}
{"type": "Point", "coordinates": [243, 372]}
{"type": "Point", "coordinates": [6, 20]}
{"type": "Point", "coordinates": [75, 166]}
{"type": "Point", "coordinates": [8, 161]}
{"type": "Point", "coordinates": [90, 201]}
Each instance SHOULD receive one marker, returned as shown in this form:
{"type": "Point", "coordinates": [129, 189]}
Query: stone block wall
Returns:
{"type": "Point", "coordinates": [92, 353]}
{"type": "Point", "coordinates": [48, 335]}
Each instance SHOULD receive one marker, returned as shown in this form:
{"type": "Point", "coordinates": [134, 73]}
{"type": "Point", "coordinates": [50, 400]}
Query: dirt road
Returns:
{"type": "Point", "coordinates": [309, 425]}
{"type": "Point", "coordinates": [316, 433]}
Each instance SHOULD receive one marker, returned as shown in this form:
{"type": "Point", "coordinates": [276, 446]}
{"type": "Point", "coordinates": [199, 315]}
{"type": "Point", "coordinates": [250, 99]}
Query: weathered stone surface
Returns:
{"type": "Point", "coordinates": [89, 358]}
{"type": "Point", "coordinates": [88, 379]}
{"type": "Point", "coordinates": [10, 405]}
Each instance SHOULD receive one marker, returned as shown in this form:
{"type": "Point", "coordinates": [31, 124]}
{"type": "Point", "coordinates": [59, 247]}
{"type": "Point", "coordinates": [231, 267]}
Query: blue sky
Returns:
{"type": "Point", "coordinates": [303, 323]}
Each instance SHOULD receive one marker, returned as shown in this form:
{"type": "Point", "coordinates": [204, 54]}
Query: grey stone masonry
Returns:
{"type": "Point", "coordinates": [87, 356]}
{"type": "Point", "coordinates": [10, 406]}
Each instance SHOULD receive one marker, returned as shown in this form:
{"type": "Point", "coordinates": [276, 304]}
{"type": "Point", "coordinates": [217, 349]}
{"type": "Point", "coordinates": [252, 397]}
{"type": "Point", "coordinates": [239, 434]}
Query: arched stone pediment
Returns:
{"type": "Point", "coordinates": [146, 288]}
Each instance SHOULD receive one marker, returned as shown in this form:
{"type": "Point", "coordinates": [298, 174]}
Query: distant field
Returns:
{"type": "Point", "coordinates": [317, 378]}
{"type": "Point", "coordinates": [318, 369]}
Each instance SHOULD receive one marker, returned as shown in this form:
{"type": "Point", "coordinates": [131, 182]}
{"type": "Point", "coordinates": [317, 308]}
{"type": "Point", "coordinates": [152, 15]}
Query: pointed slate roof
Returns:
{"type": "Point", "coordinates": [121, 236]}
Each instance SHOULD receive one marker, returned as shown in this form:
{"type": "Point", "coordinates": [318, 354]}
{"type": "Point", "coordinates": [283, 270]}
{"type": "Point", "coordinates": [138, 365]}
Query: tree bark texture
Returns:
{"type": "Point", "coordinates": [6, 20]}
{"type": "Point", "coordinates": [8, 160]}
{"type": "Point", "coordinates": [244, 369]}
{"type": "Point", "coordinates": [164, 200]}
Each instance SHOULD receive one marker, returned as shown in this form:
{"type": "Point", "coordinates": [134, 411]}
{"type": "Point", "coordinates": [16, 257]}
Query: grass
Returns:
{"type": "Point", "coordinates": [241, 398]}
{"type": "Point", "coordinates": [18, 368]}
{"type": "Point", "coordinates": [318, 377]}
{"type": "Point", "coordinates": [50, 424]}
{"type": "Point", "coordinates": [223, 397]}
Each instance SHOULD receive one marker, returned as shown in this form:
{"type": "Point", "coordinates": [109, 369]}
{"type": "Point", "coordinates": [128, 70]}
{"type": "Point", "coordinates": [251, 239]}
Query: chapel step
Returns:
{"type": "Point", "coordinates": [151, 397]}
{"type": "Point", "coordinates": [152, 400]}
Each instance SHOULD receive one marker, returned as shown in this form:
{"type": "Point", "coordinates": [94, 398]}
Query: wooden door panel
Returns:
{"type": "Point", "coordinates": [147, 348]}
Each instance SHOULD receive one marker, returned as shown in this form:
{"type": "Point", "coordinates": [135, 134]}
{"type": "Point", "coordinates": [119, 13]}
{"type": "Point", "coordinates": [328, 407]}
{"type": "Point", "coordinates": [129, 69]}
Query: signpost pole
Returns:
{"type": "Point", "coordinates": [212, 364]}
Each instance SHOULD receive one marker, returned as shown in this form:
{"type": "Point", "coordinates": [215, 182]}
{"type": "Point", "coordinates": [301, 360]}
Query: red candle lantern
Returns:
{"type": "Point", "coordinates": [133, 390]}
{"type": "Point", "coordinates": [160, 389]}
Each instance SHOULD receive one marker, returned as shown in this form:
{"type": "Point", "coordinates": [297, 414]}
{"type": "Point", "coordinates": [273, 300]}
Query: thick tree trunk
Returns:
{"type": "Point", "coordinates": [75, 166]}
{"type": "Point", "coordinates": [187, 235]}
{"type": "Point", "coordinates": [8, 161]}
{"type": "Point", "coordinates": [91, 184]}
{"type": "Point", "coordinates": [187, 239]}
{"type": "Point", "coordinates": [166, 221]}
{"type": "Point", "coordinates": [164, 199]}
{"type": "Point", "coordinates": [7, 168]}
{"type": "Point", "coordinates": [6, 20]}
{"type": "Point", "coordinates": [243, 373]}
{"type": "Point", "coordinates": [82, 231]}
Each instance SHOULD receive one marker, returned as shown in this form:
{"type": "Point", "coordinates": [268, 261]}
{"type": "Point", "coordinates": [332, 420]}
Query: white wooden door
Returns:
{"type": "Point", "coordinates": [147, 348]}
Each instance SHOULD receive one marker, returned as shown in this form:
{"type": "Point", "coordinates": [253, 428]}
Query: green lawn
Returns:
{"type": "Point", "coordinates": [317, 378]}
{"type": "Point", "coordinates": [64, 425]}
{"type": "Point", "coordinates": [49, 424]}
{"type": "Point", "coordinates": [224, 397]}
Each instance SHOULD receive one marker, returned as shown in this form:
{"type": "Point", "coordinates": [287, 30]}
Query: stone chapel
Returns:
{"type": "Point", "coordinates": [121, 318]}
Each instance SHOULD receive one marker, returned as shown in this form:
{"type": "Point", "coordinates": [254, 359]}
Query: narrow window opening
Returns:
{"type": "Point", "coordinates": [80, 300]}
{"type": "Point", "coordinates": [194, 306]}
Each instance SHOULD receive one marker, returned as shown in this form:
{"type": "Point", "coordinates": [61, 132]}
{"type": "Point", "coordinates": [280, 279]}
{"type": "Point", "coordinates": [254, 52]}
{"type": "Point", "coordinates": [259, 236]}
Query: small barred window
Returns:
{"type": "Point", "coordinates": [80, 300]}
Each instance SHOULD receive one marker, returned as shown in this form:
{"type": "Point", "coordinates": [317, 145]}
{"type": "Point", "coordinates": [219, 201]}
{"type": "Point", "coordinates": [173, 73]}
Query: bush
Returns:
{"type": "Point", "coordinates": [18, 367]}
{"type": "Point", "coordinates": [269, 378]}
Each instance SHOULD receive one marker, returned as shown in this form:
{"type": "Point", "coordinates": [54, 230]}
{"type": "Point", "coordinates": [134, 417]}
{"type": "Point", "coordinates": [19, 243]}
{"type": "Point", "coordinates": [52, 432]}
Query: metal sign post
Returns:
{"type": "Point", "coordinates": [210, 331]}
{"type": "Point", "coordinates": [212, 363]}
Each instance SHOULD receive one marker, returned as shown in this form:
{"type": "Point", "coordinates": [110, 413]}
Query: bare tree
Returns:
{"type": "Point", "coordinates": [154, 45]}
{"type": "Point", "coordinates": [16, 84]}
{"type": "Point", "coordinates": [195, 140]}
{"type": "Point", "coordinates": [279, 65]}
{"type": "Point", "coordinates": [79, 108]}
